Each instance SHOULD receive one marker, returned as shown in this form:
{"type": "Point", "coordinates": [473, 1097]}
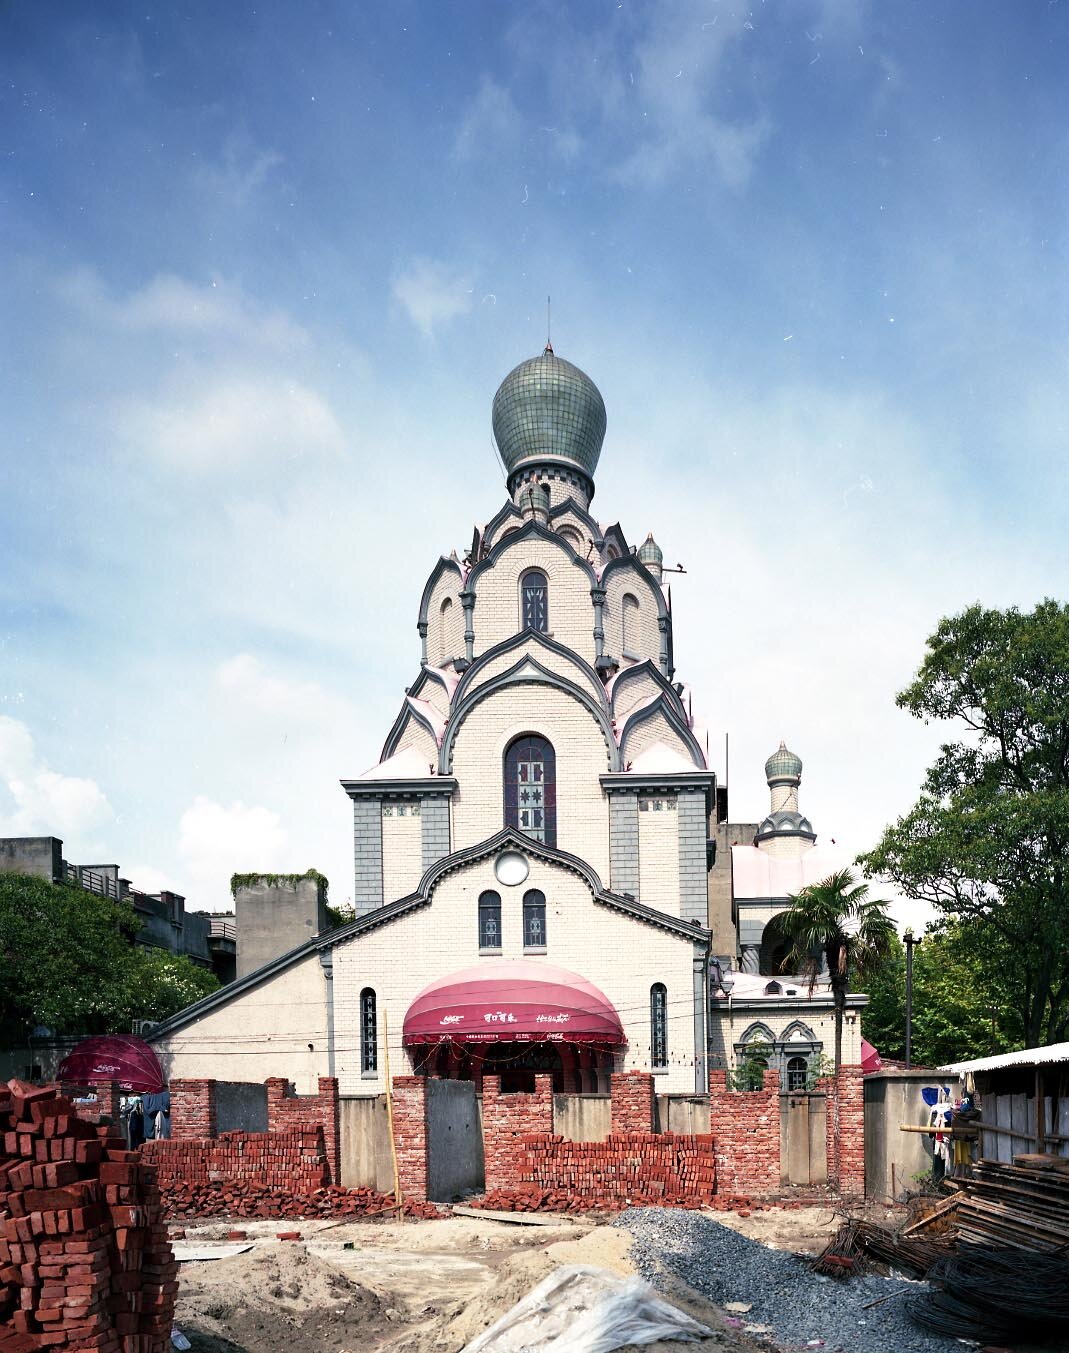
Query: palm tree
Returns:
{"type": "Point", "coordinates": [837, 923]}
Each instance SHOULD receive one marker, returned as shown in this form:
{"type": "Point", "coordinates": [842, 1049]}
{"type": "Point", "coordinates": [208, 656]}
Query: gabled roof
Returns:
{"type": "Point", "coordinates": [689, 931]}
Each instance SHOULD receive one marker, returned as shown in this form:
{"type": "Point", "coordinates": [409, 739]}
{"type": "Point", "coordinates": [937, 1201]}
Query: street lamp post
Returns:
{"type": "Point", "coordinates": [910, 942]}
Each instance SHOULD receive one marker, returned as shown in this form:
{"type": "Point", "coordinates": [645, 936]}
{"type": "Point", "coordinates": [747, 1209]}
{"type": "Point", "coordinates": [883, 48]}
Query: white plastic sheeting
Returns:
{"type": "Point", "coordinates": [580, 1309]}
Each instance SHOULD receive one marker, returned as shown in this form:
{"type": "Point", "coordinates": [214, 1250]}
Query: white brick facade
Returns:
{"type": "Point", "coordinates": [497, 596]}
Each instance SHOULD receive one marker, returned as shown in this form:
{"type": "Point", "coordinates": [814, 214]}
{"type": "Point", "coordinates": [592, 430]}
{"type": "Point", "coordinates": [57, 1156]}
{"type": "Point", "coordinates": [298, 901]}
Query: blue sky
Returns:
{"type": "Point", "coordinates": [264, 267]}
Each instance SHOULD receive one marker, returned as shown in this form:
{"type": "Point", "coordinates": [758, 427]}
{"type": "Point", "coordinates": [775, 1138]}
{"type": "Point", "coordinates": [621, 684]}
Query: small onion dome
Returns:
{"type": "Point", "coordinates": [547, 410]}
{"type": "Point", "coordinates": [783, 765]}
{"type": "Point", "coordinates": [649, 552]}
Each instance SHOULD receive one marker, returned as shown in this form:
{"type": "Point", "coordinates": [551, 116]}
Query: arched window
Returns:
{"type": "Point", "coordinates": [658, 1025]}
{"type": "Point", "coordinates": [490, 920]}
{"type": "Point", "coordinates": [629, 624]}
{"type": "Point", "coordinates": [534, 919]}
{"type": "Point", "coordinates": [797, 1073]}
{"type": "Point", "coordinates": [531, 788]}
{"type": "Point", "coordinates": [534, 601]}
{"type": "Point", "coordinates": [369, 1031]}
{"type": "Point", "coordinates": [445, 617]}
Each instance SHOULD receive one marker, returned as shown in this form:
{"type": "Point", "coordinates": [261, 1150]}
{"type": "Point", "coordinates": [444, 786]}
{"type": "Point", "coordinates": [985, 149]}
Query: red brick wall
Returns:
{"type": "Point", "coordinates": [410, 1135]}
{"type": "Point", "coordinates": [192, 1109]}
{"type": "Point", "coordinates": [745, 1125]}
{"type": "Point", "coordinates": [507, 1119]}
{"type": "Point", "coordinates": [632, 1101]}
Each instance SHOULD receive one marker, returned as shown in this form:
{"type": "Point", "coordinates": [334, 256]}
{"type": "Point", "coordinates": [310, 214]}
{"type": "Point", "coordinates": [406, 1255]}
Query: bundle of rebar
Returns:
{"type": "Point", "coordinates": [1003, 1295]}
{"type": "Point", "coordinates": [859, 1245]}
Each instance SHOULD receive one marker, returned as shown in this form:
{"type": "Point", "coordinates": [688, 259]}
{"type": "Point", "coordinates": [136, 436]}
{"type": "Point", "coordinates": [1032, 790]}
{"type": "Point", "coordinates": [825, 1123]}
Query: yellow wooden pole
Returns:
{"type": "Point", "coordinates": [389, 1116]}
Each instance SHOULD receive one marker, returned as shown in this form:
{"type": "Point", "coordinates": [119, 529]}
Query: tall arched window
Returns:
{"type": "Point", "coordinates": [445, 618]}
{"type": "Point", "coordinates": [629, 625]}
{"type": "Point", "coordinates": [490, 920]}
{"type": "Point", "coordinates": [534, 601]}
{"type": "Point", "coordinates": [534, 919]}
{"type": "Point", "coordinates": [369, 1031]}
{"type": "Point", "coordinates": [658, 1025]}
{"type": "Point", "coordinates": [531, 788]}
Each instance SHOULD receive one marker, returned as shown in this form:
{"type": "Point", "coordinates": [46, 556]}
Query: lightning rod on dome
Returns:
{"type": "Point", "coordinates": [549, 328]}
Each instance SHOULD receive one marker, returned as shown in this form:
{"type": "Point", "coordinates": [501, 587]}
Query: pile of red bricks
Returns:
{"type": "Point", "coordinates": [84, 1258]}
{"type": "Point", "coordinates": [248, 1199]}
{"type": "Point", "coordinates": [629, 1167]}
{"type": "Point", "coordinates": [294, 1161]}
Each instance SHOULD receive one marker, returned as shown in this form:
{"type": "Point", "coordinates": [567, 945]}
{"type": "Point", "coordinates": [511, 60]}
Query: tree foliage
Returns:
{"type": "Point", "coordinates": [960, 1007]}
{"type": "Point", "coordinates": [987, 842]}
{"type": "Point", "coordinates": [835, 925]}
{"type": "Point", "coordinates": [69, 964]}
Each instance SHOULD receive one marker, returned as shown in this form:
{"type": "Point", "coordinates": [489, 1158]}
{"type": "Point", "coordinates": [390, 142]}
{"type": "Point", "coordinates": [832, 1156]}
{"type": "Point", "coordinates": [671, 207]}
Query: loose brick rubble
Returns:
{"type": "Point", "coordinates": [84, 1258]}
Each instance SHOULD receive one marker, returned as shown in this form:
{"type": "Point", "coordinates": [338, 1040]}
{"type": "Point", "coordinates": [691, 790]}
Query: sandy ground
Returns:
{"type": "Point", "coordinates": [416, 1287]}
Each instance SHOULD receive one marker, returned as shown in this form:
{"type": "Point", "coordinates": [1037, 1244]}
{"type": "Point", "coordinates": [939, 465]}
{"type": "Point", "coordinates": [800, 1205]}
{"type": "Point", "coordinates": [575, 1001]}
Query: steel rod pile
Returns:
{"type": "Point", "coordinates": [1003, 1295]}
{"type": "Point", "coordinates": [858, 1245]}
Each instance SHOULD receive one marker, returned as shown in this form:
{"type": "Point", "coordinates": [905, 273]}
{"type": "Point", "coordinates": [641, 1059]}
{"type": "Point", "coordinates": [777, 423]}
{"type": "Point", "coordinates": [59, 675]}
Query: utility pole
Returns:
{"type": "Point", "coordinates": [910, 942]}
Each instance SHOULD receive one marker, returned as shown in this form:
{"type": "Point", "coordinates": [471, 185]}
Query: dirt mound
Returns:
{"type": "Point", "coordinates": [274, 1298]}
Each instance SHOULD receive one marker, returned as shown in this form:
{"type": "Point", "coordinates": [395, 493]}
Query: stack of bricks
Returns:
{"type": "Point", "coordinates": [746, 1127]}
{"type": "Point", "coordinates": [286, 1110]}
{"type": "Point", "coordinates": [85, 1263]}
{"type": "Point", "coordinates": [668, 1169]}
{"type": "Point", "coordinates": [294, 1160]}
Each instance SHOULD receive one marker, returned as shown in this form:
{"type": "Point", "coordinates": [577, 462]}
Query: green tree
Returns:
{"type": "Point", "coordinates": [835, 924]}
{"type": "Point", "coordinates": [987, 842]}
{"type": "Point", "coordinates": [69, 963]}
{"type": "Point", "coordinates": [959, 999]}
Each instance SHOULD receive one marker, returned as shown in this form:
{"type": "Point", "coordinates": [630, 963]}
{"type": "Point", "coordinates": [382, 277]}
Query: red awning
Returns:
{"type": "Point", "coordinates": [870, 1058]}
{"type": "Point", "coordinates": [114, 1057]}
{"type": "Point", "coordinates": [513, 1001]}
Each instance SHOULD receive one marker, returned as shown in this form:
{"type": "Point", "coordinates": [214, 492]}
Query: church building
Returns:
{"type": "Point", "coordinates": [545, 879]}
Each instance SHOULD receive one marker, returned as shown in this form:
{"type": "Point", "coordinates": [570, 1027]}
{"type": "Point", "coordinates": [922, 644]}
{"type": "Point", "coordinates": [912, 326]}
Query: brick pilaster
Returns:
{"type": "Point", "coordinates": [193, 1109]}
{"type": "Point", "coordinates": [410, 1135]}
{"type": "Point", "coordinates": [632, 1101]}
{"type": "Point", "coordinates": [746, 1129]}
{"type": "Point", "coordinates": [507, 1119]}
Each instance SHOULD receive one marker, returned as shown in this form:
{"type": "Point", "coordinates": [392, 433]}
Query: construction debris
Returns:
{"type": "Point", "coordinates": [860, 1246]}
{"type": "Point", "coordinates": [84, 1258]}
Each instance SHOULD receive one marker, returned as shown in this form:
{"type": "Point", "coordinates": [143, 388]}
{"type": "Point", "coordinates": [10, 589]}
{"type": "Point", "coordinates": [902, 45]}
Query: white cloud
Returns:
{"type": "Point", "coordinates": [433, 293]}
{"type": "Point", "coordinates": [236, 422]}
{"type": "Point", "coordinates": [38, 801]}
{"type": "Point", "coordinates": [175, 305]}
{"type": "Point", "coordinates": [217, 840]}
{"type": "Point", "coordinates": [252, 687]}
{"type": "Point", "coordinates": [491, 122]}
{"type": "Point", "coordinates": [239, 172]}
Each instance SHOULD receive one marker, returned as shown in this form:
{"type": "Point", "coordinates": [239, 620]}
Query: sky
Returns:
{"type": "Point", "coordinates": [264, 266]}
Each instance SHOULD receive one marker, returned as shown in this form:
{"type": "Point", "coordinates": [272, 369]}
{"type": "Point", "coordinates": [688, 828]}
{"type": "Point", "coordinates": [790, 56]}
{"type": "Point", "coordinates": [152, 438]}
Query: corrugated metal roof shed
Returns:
{"type": "Point", "coordinates": [1056, 1052]}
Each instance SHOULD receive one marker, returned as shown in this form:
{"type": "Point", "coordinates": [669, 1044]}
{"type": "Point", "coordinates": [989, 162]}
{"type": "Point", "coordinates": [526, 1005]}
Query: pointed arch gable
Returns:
{"type": "Point", "coordinates": [638, 683]}
{"type": "Point", "coordinates": [413, 727]}
{"type": "Point", "coordinates": [553, 656]}
{"type": "Point", "coordinates": [444, 566]}
{"type": "Point", "coordinates": [642, 579]}
{"type": "Point", "coordinates": [507, 516]}
{"type": "Point", "coordinates": [659, 721]}
{"type": "Point", "coordinates": [527, 671]}
{"type": "Point", "coordinates": [758, 1032]}
{"type": "Point", "coordinates": [529, 530]}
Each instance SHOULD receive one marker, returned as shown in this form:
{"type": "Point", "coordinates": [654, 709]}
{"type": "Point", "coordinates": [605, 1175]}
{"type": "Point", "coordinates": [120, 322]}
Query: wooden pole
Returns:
{"type": "Point", "coordinates": [389, 1116]}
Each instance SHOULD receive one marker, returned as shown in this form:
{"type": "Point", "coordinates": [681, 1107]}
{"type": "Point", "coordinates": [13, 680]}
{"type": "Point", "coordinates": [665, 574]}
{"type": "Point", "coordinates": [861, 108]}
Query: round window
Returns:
{"type": "Point", "coordinates": [511, 868]}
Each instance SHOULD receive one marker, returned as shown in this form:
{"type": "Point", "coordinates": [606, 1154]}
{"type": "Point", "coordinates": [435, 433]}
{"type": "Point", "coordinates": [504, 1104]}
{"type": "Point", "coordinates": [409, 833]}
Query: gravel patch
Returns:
{"type": "Point", "coordinates": [794, 1306]}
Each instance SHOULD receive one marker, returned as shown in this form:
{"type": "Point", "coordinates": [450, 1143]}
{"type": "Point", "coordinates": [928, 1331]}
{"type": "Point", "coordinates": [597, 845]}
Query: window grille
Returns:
{"type": "Point", "coordinates": [797, 1073]}
{"type": "Point", "coordinates": [369, 1031]}
{"type": "Point", "coordinates": [534, 919]}
{"type": "Point", "coordinates": [534, 597]}
{"type": "Point", "coordinates": [490, 921]}
{"type": "Point", "coordinates": [658, 1025]}
{"type": "Point", "coordinates": [531, 788]}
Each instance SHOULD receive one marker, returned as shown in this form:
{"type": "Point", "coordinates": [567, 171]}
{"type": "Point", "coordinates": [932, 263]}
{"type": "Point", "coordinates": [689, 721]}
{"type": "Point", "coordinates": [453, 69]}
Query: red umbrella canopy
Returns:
{"type": "Point", "coordinates": [114, 1057]}
{"type": "Point", "coordinates": [870, 1058]}
{"type": "Point", "coordinates": [513, 1001]}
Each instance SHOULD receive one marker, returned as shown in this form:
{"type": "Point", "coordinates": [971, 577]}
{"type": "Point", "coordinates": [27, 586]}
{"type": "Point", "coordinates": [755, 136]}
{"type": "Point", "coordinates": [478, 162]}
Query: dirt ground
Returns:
{"type": "Point", "coordinates": [417, 1286]}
